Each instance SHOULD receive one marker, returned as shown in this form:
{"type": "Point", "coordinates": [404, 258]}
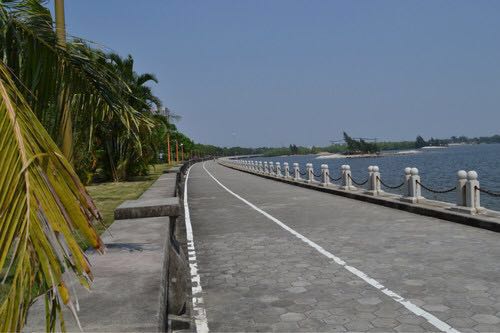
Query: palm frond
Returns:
{"type": "Point", "coordinates": [42, 207]}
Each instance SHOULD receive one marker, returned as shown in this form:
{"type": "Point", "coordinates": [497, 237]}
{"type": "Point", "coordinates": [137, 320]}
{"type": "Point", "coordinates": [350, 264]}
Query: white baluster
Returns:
{"type": "Point", "coordinates": [287, 170]}
{"type": "Point", "coordinates": [346, 178]}
{"type": "Point", "coordinates": [325, 175]}
{"type": "Point", "coordinates": [278, 170]}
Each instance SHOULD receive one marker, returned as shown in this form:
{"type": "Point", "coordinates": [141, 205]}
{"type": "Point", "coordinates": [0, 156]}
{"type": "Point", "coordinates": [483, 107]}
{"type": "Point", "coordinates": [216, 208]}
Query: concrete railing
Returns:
{"type": "Point", "coordinates": [467, 185]}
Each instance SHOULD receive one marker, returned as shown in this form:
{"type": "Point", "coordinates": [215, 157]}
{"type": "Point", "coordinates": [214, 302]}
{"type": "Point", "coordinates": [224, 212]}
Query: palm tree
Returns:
{"type": "Point", "coordinates": [43, 205]}
{"type": "Point", "coordinates": [129, 152]}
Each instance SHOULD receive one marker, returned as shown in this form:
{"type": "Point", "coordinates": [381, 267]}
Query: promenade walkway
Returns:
{"type": "Point", "coordinates": [276, 257]}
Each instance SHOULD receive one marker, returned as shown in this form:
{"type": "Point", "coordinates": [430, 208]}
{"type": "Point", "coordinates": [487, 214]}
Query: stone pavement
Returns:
{"type": "Point", "coordinates": [256, 276]}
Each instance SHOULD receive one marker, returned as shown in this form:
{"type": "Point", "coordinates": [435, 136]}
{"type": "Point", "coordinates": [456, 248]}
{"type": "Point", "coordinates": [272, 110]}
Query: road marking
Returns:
{"type": "Point", "coordinates": [433, 320]}
{"type": "Point", "coordinates": [200, 315]}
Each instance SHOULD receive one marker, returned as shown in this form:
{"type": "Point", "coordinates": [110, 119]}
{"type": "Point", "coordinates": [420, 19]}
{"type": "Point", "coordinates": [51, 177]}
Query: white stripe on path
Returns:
{"type": "Point", "coordinates": [199, 313]}
{"type": "Point", "coordinates": [433, 320]}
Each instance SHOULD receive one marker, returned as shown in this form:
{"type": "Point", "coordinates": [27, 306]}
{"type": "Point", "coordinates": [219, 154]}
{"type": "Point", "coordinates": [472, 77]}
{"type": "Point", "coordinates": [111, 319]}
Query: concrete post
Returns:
{"type": "Point", "coordinates": [346, 178]}
{"type": "Point", "coordinates": [370, 182]}
{"type": "Point", "coordinates": [374, 187]}
{"type": "Point", "coordinates": [414, 194]}
{"type": "Point", "coordinates": [462, 180]}
{"type": "Point", "coordinates": [407, 179]}
{"type": "Point", "coordinates": [278, 170]}
{"type": "Point", "coordinates": [472, 198]}
{"type": "Point", "coordinates": [287, 170]}
{"type": "Point", "coordinates": [271, 168]}
{"type": "Point", "coordinates": [310, 173]}
{"type": "Point", "coordinates": [266, 168]}
{"type": "Point", "coordinates": [468, 197]}
{"type": "Point", "coordinates": [325, 175]}
{"type": "Point", "coordinates": [296, 171]}
{"type": "Point", "coordinates": [261, 167]}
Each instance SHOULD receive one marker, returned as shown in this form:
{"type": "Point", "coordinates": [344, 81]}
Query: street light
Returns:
{"type": "Point", "coordinates": [177, 151]}
{"type": "Point", "coordinates": [182, 151]}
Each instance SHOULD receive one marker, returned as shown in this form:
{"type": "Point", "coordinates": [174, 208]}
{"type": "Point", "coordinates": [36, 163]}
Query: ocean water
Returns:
{"type": "Point", "coordinates": [437, 167]}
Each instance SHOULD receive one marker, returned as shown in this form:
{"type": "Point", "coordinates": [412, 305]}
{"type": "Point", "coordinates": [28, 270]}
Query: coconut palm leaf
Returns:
{"type": "Point", "coordinates": [43, 206]}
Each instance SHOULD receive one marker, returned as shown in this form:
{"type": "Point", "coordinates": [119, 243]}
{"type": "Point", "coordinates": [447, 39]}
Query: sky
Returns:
{"type": "Point", "coordinates": [272, 73]}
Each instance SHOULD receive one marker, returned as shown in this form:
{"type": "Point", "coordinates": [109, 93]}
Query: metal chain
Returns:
{"type": "Point", "coordinates": [436, 191]}
{"type": "Point", "coordinates": [389, 186]}
{"type": "Point", "coordinates": [317, 176]}
{"type": "Point", "coordinates": [335, 179]}
{"type": "Point", "coordinates": [302, 174]}
{"type": "Point", "coordinates": [359, 184]}
{"type": "Point", "coordinates": [493, 194]}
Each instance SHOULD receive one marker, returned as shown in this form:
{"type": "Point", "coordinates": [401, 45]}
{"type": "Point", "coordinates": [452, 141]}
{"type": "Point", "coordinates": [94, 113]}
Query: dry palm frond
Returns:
{"type": "Point", "coordinates": [42, 207]}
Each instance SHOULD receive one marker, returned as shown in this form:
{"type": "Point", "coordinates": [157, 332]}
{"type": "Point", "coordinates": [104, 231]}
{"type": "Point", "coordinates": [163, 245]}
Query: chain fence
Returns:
{"type": "Point", "coordinates": [334, 179]}
{"type": "Point", "coordinates": [390, 186]}
{"type": "Point", "coordinates": [436, 191]}
{"type": "Point", "coordinates": [493, 194]}
{"type": "Point", "coordinates": [358, 183]}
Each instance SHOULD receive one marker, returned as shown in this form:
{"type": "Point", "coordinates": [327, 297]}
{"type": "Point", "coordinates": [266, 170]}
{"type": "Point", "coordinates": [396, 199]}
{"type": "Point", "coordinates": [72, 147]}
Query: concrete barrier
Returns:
{"type": "Point", "coordinates": [142, 283]}
{"type": "Point", "coordinates": [467, 210]}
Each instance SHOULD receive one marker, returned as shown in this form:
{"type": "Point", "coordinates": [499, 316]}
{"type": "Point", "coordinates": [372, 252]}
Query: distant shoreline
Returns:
{"type": "Point", "coordinates": [382, 154]}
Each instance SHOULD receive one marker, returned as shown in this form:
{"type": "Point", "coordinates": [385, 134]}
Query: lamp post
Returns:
{"type": "Point", "coordinates": [176, 151]}
{"type": "Point", "coordinates": [182, 152]}
{"type": "Point", "coordinates": [168, 148]}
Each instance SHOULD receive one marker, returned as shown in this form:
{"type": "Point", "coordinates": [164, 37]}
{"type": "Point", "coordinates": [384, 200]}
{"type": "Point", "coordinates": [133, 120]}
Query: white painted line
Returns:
{"type": "Point", "coordinates": [199, 313]}
{"type": "Point", "coordinates": [433, 320]}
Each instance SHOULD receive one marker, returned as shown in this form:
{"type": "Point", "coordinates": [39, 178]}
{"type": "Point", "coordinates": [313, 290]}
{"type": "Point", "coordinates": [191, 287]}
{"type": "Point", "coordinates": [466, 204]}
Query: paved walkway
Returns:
{"type": "Point", "coordinates": [312, 261]}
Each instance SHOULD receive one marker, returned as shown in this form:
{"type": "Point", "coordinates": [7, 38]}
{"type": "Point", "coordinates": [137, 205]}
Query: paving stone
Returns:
{"type": "Point", "coordinates": [292, 316]}
{"type": "Point", "coordinates": [370, 300]}
{"type": "Point", "coordinates": [486, 319]}
{"type": "Point", "coordinates": [300, 284]}
{"type": "Point", "coordinates": [302, 308]}
{"type": "Point", "coordinates": [486, 328]}
{"type": "Point", "coordinates": [306, 301]}
{"type": "Point", "coordinates": [385, 322]}
{"type": "Point", "coordinates": [282, 303]}
{"type": "Point", "coordinates": [297, 290]}
{"type": "Point", "coordinates": [408, 328]}
{"type": "Point", "coordinates": [318, 314]}
{"type": "Point", "coordinates": [337, 319]}
{"type": "Point", "coordinates": [461, 322]}
{"type": "Point", "coordinates": [358, 325]}
{"type": "Point", "coordinates": [311, 324]}
{"type": "Point", "coordinates": [414, 282]}
{"type": "Point", "coordinates": [269, 299]}
{"type": "Point", "coordinates": [284, 327]}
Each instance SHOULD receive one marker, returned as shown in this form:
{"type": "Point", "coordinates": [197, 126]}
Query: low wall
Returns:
{"type": "Point", "coordinates": [142, 281]}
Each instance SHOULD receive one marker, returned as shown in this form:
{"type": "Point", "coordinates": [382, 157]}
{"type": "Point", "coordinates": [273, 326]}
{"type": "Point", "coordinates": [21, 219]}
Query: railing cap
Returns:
{"type": "Point", "coordinates": [472, 175]}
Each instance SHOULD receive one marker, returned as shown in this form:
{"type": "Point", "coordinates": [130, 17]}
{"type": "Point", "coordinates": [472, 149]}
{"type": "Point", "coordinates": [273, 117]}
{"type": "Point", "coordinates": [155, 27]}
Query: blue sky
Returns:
{"type": "Point", "coordinates": [271, 73]}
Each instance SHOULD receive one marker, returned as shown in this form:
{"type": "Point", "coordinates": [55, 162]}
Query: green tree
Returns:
{"type": "Point", "coordinates": [420, 142]}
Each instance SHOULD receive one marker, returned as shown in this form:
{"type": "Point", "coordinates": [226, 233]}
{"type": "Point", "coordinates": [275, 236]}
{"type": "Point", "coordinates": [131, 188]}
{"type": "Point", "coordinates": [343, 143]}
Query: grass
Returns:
{"type": "Point", "coordinates": [108, 196]}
